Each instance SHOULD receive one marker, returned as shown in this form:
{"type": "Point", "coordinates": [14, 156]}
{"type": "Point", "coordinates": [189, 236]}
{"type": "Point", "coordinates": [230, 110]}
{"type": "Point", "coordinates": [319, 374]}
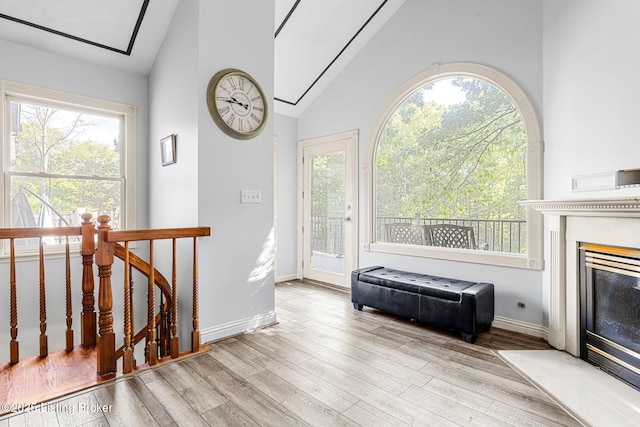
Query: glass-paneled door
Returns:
{"type": "Point", "coordinates": [329, 223]}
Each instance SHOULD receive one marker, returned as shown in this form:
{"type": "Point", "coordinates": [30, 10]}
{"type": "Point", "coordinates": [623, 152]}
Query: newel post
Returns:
{"type": "Point", "coordinates": [88, 249]}
{"type": "Point", "coordinates": [106, 342]}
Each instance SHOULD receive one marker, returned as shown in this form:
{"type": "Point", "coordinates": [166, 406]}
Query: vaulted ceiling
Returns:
{"type": "Point", "coordinates": [122, 34]}
{"type": "Point", "coordinates": [314, 39]}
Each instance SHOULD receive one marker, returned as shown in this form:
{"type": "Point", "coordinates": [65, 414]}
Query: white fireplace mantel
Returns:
{"type": "Point", "coordinates": [614, 221]}
{"type": "Point", "coordinates": [619, 207]}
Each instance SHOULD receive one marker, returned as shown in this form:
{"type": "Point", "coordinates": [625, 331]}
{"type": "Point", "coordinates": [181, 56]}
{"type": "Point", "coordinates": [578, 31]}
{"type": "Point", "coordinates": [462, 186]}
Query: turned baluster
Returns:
{"type": "Point", "coordinates": [174, 346]}
{"type": "Point", "coordinates": [162, 328]}
{"type": "Point", "coordinates": [152, 345]}
{"type": "Point", "coordinates": [195, 334]}
{"type": "Point", "coordinates": [127, 360]}
{"type": "Point", "coordinates": [69, 331]}
{"type": "Point", "coordinates": [106, 341]}
{"type": "Point", "coordinates": [44, 344]}
{"type": "Point", "coordinates": [13, 345]}
{"type": "Point", "coordinates": [88, 316]}
{"type": "Point", "coordinates": [132, 315]}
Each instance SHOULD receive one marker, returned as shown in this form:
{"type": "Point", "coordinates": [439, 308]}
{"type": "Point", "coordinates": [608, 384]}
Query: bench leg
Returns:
{"type": "Point", "coordinates": [357, 306]}
{"type": "Point", "coordinates": [470, 338]}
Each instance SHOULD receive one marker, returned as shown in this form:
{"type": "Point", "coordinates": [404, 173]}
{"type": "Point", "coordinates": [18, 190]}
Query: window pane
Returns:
{"type": "Point", "coordinates": [51, 140]}
{"type": "Point", "coordinates": [453, 153]}
{"type": "Point", "coordinates": [65, 155]}
{"type": "Point", "coordinates": [59, 202]}
{"type": "Point", "coordinates": [328, 175]}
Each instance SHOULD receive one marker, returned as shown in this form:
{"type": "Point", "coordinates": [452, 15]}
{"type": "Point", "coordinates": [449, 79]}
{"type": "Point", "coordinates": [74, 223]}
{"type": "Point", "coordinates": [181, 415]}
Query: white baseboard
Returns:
{"type": "Point", "coordinates": [237, 327]}
{"type": "Point", "coordinates": [286, 278]}
{"type": "Point", "coordinates": [521, 327]}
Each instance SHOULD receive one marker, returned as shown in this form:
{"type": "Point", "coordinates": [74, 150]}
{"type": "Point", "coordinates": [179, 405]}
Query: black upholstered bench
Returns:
{"type": "Point", "coordinates": [459, 306]}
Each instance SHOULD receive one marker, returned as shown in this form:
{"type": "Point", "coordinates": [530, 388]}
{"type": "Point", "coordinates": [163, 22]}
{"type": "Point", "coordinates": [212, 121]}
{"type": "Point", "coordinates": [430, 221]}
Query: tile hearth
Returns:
{"type": "Point", "coordinates": [592, 396]}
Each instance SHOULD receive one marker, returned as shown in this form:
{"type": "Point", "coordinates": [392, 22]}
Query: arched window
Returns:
{"type": "Point", "coordinates": [454, 151]}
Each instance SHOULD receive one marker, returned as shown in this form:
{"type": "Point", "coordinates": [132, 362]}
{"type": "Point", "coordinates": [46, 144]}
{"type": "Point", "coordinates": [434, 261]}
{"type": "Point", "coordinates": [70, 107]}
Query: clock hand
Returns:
{"type": "Point", "coordinates": [232, 100]}
{"type": "Point", "coordinates": [235, 101]}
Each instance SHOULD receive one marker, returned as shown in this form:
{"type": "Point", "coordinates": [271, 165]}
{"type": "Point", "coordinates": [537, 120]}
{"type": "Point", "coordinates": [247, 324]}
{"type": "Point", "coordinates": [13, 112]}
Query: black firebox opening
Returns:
{"type": "Point", "coordinates": [610, 310]}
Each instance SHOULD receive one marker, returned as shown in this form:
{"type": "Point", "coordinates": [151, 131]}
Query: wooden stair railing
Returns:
{"type": "Point", "coordinates": [166, 321]}
{"type": "Point", "coordinates": [161, 330]}
{"type": "Point", "coordinates": [85, 232]}
{"type": "Point", "coordinates": [162, 318]}
{"type": "Point", "coordinates": [161, 282]}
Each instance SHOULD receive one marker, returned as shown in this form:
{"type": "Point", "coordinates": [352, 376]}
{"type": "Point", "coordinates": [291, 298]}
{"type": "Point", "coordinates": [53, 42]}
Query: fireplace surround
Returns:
{"type": "Point", "coordinates": [612, 222]}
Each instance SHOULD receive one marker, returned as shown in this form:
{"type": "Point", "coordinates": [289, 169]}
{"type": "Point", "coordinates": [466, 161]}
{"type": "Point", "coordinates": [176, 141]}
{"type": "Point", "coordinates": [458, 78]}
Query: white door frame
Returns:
{"type": "Point", "coordinates": [276, 274]}
{"type": "Point", "coordinates": [351, 188]}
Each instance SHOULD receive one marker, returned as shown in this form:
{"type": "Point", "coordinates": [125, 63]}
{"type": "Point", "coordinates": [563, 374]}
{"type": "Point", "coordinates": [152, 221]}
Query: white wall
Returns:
{"type": "Point", "coordinates": [173, 109]}
{"type": "Point", "coordinates": [590, 93]}
{"type": "Point", "coordinates": [285, 128]}
{"type": "Point", "coordinates": [203, 187]}
{"type": "Point", "coordinates": [237, 262]}
{"type": "Point", "coordinates": [503, 34]}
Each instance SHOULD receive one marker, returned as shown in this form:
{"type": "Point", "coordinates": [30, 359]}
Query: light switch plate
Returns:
{"type": "Point", "coordinates": [250, 196]}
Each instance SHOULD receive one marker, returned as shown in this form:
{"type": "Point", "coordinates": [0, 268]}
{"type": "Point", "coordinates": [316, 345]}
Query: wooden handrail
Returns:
{"type": "Point", "coordinates": [161, 331]}
{"type": "Point", "coordinates": [158, 234]}
{"type": "Point", "coordinates": [25, 233]}
{"type": "Point", "coordinates": [143, 267]}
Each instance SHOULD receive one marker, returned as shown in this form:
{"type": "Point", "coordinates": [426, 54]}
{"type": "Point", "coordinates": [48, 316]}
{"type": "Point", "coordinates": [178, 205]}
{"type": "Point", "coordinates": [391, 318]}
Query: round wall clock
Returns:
{"type": "Point", "coordinates": [236, 103]}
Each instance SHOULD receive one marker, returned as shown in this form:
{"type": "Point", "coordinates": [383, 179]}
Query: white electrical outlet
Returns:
{"type": "Point", "coordinates": [250, 196]}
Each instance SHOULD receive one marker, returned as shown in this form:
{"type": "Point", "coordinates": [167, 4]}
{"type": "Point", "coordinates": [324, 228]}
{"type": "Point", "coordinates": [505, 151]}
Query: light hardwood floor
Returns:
{"type": "Point", "coordinates": [324, 364]}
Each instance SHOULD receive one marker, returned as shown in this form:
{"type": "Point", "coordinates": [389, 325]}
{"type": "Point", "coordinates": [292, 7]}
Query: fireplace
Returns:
{"type": "Point", "coordinates": [569, 224]}
{"type": "Point", "coordinates": [610, 310]}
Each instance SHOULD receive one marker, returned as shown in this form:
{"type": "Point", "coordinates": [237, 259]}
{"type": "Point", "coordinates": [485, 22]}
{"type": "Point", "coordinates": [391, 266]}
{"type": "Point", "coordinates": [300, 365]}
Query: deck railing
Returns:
{"type": "Point", "coordinates": [161, 329]}
{"type": "Point", "coordinates": [500, 235]}
{"type": "Point", "coordinates": [504, 235]}
{"type": "Point", "coordinates": [327, 234]}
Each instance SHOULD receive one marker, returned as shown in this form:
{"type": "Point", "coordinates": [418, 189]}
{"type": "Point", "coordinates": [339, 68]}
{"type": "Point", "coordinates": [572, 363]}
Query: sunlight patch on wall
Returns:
{"type": "Point", "coordinates": [264, 263]}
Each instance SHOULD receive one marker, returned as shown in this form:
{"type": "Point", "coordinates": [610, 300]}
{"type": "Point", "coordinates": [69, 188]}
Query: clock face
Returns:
{"type": "Point", "coordinates": [237, 104]}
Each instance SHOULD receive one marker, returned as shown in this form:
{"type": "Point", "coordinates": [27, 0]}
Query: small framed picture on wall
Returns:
{"type": "Point", "coordinates": [168, 149]}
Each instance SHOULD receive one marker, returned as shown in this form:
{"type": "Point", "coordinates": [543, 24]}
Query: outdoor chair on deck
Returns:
{"type": "Point", "coordinates": [408, 234]}
{"type": "Point", "coordinates": [452, 236]}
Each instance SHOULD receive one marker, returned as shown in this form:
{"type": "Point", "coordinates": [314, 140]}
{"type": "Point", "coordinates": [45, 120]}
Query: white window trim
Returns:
{"type": "Point", "coordinates": [533, 259]}
{"type": "Point", "coordinates": [36, 94]}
